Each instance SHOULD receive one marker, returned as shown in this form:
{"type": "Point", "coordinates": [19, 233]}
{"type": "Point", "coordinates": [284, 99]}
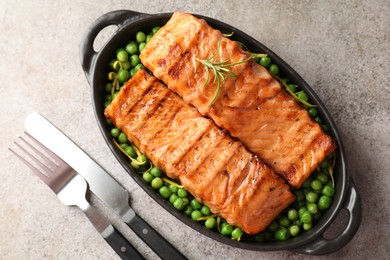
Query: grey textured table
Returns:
{"type": "Point", "coordinates": [341, 48]}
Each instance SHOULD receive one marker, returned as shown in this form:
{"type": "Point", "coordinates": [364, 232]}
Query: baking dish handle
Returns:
{"type": "Point", "coordinates": [322, 246]}
{"type": "Point", "coordinates": [87, 53]}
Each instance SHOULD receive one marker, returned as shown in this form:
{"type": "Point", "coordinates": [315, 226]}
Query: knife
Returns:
{"type": "Point", "coordinates": [100, 182]}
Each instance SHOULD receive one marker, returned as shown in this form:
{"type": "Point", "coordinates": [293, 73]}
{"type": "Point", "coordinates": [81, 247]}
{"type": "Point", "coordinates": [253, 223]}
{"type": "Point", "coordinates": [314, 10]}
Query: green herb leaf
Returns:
{"type": "Point", "coordinates": [221, 70]}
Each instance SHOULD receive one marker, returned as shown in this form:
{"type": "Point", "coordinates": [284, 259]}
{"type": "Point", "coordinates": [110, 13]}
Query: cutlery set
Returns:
{"type": "Point", "coordinates": [70, 173]}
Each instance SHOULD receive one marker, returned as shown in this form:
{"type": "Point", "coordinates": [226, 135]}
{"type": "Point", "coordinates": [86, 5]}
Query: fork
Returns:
{"type": "Point", "coordinates": [71, 189]}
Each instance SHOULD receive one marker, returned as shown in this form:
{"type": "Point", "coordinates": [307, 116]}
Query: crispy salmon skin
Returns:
{"type": "Point", "coordinates": [213, 167]}
{"type": "Point", "coordinates": [253, 107]}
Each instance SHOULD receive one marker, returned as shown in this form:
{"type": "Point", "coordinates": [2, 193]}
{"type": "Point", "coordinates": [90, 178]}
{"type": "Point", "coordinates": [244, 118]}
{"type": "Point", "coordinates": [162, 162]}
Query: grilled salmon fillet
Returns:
{"type": "Point", "coordinates": [253, 107]}
{"type": "Point", "coordinates": [214, 168]}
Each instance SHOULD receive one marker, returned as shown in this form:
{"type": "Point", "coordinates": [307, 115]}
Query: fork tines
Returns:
{"type": "Point", "coordinates": [46, 162]}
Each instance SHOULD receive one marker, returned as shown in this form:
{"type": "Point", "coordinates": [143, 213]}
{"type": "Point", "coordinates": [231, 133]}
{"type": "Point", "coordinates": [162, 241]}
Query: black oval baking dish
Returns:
{"type": "Point", "coordinates": [95, 65]}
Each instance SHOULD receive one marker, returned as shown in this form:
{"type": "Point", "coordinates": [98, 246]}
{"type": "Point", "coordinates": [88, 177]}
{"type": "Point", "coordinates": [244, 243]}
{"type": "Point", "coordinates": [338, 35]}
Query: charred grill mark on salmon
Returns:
{"type": "Point", "coordinates": [253, 107]}
{"type": "Point", "coordinates": [214, 168]}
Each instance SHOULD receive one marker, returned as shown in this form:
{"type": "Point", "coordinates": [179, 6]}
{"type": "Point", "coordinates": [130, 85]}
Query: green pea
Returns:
{"type": "Point", "coordinates": [182, 193]}
{"type": "Point", "coordinates": [210, 223]}
{"type": "Point", "coordinates": [324, 164]}
{"type": "Point", "coordinates": [147, 177]}
{"type": "Point", "coordinates": [284, 222]}
{"type": "Point", "coordinates": [140, 37]}
{"type": "Point", "coordinates": [122, 138]}
{"type": "Point", "coordinates": [165, 192]}
{"type": "Point", "coordinates": [265, 62]}
{"type": "Point", "coordinates": [186, 201]}
{"type": "Point", "coordinates": [148, 37]}
{"type": "Point", "coordinates": [139, 66]}
{"type": "Point", "coordinates": [132, 47]}
{"type": "Point", "coordinates": [114, 132]}
{"type": "Point", "coordinates": [237, 233]}
{"type": "Point", "coordinates": [122, 56]}
{"type": "Point", "coordinates": [312, 196]}
{"type": "Point", "coordinates": [318, 119]}
{"type": "Point", "coordinates": [312, 208]}
{"type": "Point", "coordinates": [124, 146]}
{"type": "Point", "coordinates": [226, 230]}
{"type": "Point", "coordinates": [273, 69]}
{"type": "Point", "coordinates": [123, 75]}
{"type": "Point", "coordinates": [325, 128]}
{"type": "Point", "coordinates": [306, 217]}
{"type": "Point", "coordinates": [179, 204]}
{"type": "Point", "coordinates": [205, 210]}
{"type": "Point", "coordinates": [292, 214]}
{"type": "Point", "coordinates": [303, 96]}
{"type": "Point", "coordinates": [156, 172]}
{"type": "Point", "coordinates": [173, 188]}
{"type": "Point", "coordinates": [316, 185]}
{"type": "Point", "coordinates": [312, 111]}
{"type": "Point", "coordinates": [126, 65]}
{"type": "Point", "coordinates": [328, 191]}
{"type": "Point", "coordinates": [130, 151]}
{"type": "Point", "coordinates": [143, 159]}
{"type": "Point", "coordinates": [298, 223]}
{"type": "Point", "coordinates": [292, 87]}
{"type": "Point", "coordinates": [114, 95]}
{"type": "Point", "coordinates": [134, 165]}
{"type": "Point", "coordinates": [307, 226]}
{"type": "Point", "coordinates": [141, 46]}
{"type": "Point", "coordinates": [155, 29]}
{"type": "Point", "coordinates": [324, 202]}
{"type": "Point", "coordinates": [188, 210]}
{"type": "Point", "coordinates": [132, 72]}
{"type": "Point", "coordinates": [294, 230]}
{"type": "Point", "coordinates": [173, 197]}
{"type": "Point", "coordinates": [301, 211]}
{"type": "Point", "coordinates": [195, 204]}
{"type": "Point", "coordinates": [282, 234]}
{"type": "Point", "coordinates": [196, 214]}
{"type": "Point", "coordinates": [119, 50]}
{"type": "Point", "coordinates": [134, 60]}
{"type": "Point", "coordinates": [157, 183]}
{"type": "Point", "coordinates": [323, 178]}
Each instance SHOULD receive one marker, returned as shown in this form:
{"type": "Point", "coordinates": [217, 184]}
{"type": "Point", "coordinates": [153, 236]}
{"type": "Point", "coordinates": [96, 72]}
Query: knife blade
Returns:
{"type": "Point", "coordinates": [100, 182]}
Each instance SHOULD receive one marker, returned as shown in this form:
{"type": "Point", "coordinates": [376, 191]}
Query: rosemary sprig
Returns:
{"type": "Point", "coordinates": [221, 70]}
